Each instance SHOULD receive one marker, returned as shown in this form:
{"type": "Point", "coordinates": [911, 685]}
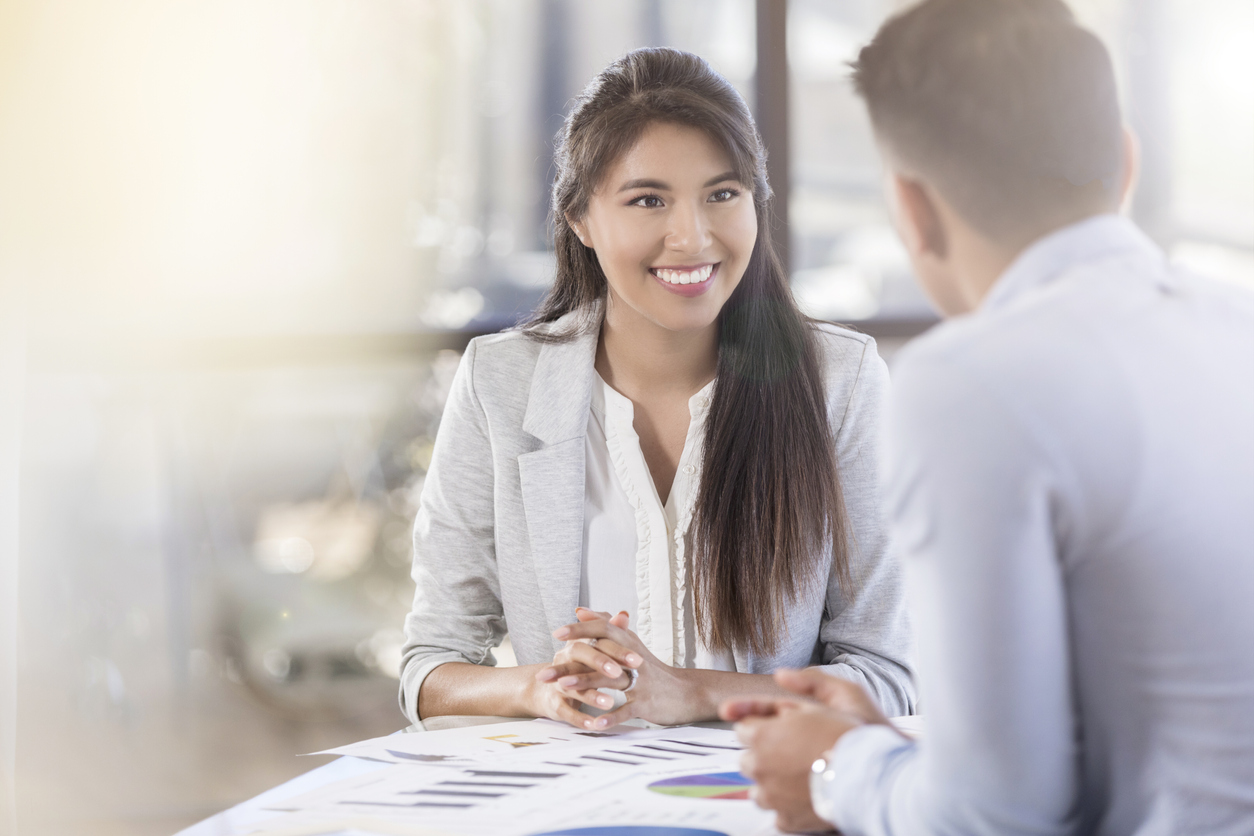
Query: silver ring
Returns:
{"type": "Point", "coordinates": [633, 675]}
{"type": "Point", "coordinates": [592, 642]}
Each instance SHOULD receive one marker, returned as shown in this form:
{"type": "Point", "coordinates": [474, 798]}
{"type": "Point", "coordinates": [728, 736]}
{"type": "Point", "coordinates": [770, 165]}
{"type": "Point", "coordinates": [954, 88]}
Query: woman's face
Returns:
{"type": "Point", "coordinates": [672, 227]}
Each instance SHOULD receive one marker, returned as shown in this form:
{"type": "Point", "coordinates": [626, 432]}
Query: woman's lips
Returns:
{"type": "Point", "coordinates": [694, 289]}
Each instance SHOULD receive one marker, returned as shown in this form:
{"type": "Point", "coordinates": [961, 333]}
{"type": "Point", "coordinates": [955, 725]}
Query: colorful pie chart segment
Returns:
{"type": "Point", "coordinates": [722, 785]}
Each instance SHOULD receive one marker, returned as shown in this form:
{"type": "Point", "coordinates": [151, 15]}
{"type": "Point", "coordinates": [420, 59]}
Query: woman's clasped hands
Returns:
{"type": "Point", "coordinates": [601, 652]}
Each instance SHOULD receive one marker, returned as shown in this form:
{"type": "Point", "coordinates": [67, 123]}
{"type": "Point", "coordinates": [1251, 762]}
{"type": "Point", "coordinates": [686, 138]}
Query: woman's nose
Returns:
{"type": "Point", "coordinates": [688, 231]}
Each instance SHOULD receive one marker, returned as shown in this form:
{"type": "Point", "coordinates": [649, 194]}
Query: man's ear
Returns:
{"type": "Point", "coordinates": [1131, 172]}
{"type": "Point", "coordinates": [920, 220]}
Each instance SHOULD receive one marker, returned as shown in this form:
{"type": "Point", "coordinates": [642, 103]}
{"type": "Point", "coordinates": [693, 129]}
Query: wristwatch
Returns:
{"type": "Point", "coordinates": [821, 774]}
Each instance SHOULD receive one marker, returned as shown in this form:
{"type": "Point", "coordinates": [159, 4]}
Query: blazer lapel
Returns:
{"type": "Point", "coordinates": [553, 496]}
{"type": "Point", "coordinates": [552, 477]}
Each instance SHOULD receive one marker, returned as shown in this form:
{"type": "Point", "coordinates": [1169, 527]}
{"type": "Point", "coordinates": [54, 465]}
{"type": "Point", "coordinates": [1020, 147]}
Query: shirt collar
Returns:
{"type": "Point", "coordinates": [699, 403]}
{"type": "Point", "coordinates": [608, 400]}
{"type": "Point", "coordinates": [1099, 237]}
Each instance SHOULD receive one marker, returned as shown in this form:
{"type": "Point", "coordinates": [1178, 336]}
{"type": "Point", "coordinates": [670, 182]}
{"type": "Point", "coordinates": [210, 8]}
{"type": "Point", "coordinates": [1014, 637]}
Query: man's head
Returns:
{"type": "Point", "coordinates": [998, 119]}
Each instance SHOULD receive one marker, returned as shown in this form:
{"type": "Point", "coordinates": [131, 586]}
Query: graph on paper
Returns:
{"type": "Point", "coordinates": [537, 778]}
{"type": "Point", "coordinates": [726, 786]}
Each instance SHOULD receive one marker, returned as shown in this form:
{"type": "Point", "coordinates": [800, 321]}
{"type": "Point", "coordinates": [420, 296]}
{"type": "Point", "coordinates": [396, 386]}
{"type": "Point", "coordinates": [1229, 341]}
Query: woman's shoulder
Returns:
{"type": "Point", "coordinates": [521, 347]}
{"type": "Point", "coordinates": [846, 354]}
{"type": "Point", "coordinates": [854, 376]}
{"type": "Point", "coordinates": [503, 358]}
{"type": "Point", "coordinates": [839, 335]}
{"type": "Point", "coordinates": [508, 370]}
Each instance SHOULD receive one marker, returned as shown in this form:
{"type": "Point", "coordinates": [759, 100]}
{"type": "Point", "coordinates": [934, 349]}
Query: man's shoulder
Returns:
{"type": "Point", "coordinates": [1084, 348]}
{"type": "Point", "coordinates": [1034, 356]}
{"type": "Point", "coordinates": [959, 341]}
{"type": "Point", "coordinates": [1049, 326]}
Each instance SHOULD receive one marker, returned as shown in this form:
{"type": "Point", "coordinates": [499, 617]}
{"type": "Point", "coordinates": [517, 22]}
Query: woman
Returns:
{"type": "Point", "coordinates": [667, 441]}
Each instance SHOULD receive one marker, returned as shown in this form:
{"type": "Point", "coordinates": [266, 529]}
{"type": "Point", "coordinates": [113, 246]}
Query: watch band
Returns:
{"type": "Point", "coordinates": [821, 775]}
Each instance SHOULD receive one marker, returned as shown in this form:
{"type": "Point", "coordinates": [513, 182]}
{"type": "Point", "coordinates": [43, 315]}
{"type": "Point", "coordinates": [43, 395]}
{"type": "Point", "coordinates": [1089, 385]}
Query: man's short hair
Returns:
{"type": "Point", "coordinates": [1007, 107]}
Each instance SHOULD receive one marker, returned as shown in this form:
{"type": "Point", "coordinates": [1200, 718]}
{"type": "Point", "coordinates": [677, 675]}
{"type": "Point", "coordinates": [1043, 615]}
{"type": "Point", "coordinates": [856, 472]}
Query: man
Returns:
{"type": "Point", "coordinates": [1072, 477]}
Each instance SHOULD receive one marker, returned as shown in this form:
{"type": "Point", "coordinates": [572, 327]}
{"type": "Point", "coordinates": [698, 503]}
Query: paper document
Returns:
{"type": "Point", "coordinates": [531, 740]}
{"type": "Point", "coordinates": [540, 778]}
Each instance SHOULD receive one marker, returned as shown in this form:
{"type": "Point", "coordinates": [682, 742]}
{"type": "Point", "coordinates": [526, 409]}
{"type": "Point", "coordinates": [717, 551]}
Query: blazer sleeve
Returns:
{"type": "Point", "coordinates": [457, 614]}
{"type": "Point", "coordinates": [865, 634]}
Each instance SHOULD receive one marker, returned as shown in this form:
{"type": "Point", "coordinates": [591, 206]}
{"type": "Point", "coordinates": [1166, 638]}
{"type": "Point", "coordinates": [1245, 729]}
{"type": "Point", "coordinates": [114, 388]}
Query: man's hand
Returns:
{"type": "Point", "coordinates": [785, 736]}
{"type": "Point", "coordinates": [781, 749]}
{"type": "Point", "coordinates": [810, 684]}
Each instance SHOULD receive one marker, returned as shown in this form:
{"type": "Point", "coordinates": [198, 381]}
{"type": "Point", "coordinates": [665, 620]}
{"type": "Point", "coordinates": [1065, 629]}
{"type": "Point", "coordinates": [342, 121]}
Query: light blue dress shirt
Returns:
{"type": "Point", "coordinates": [1072, 489]}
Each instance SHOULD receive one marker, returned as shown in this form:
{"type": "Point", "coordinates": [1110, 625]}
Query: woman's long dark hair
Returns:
{"type": "Point", "coordinates": [769, 506]}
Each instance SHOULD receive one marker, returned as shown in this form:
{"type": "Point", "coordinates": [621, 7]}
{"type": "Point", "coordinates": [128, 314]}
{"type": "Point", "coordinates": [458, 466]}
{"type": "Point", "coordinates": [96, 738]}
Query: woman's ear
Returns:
{"type": "Point", "coordinates": [580, 231]}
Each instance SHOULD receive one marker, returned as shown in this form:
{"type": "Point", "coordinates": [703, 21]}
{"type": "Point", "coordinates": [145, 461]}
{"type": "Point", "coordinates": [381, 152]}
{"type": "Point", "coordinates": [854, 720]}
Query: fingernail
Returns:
{"type": "Point", "coordinates": [546, 674]}
{"type": "Point", "coordinates": [604, 702]}
{"type": "Point", "coordinates": [612, 669]}
{"type": "Point", "coordinates": [634, 660]}
{"type": "Point", "coordinates": [569, 681]}
{"type": "Point", "coordinates": [587, 724]}
{"type": "Point", "coordinates": [561, 632]}
{"type": "Point", "coordinates": [601, 723]}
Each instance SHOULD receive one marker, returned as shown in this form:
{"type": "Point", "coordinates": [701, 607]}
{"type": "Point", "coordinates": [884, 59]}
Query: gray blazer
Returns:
{"type": "Point", "coordinates": [499, 535]}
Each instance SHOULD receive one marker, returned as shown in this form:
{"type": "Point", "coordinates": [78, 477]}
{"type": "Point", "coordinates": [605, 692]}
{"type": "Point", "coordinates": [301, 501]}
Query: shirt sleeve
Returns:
{"type": "Point", "coordinates": [974, 495]}
{"type": "Point", "coordinates": [457, 614]}
{"type": "Point", "coordinates": [866, 634]}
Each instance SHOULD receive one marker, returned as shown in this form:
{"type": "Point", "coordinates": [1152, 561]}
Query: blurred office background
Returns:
{"type": "Point", "coordinates": [242, 245]}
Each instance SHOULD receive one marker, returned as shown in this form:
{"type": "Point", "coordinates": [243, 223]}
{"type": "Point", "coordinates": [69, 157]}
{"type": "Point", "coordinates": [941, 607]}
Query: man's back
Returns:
{"type": "Point", "coordinates": [1161, 586]}
{"type": "Point", "coordinates": [1075, 485]}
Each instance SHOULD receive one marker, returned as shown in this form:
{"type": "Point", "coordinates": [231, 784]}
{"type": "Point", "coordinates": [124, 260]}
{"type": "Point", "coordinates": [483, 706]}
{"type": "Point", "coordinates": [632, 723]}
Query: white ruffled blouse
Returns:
{"type": "Point", "coordinates": [635, 548]}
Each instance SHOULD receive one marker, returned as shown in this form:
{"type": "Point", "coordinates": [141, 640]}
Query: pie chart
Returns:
{"type": "Point", "coordinates": [632, 830]}
{"type": "Point", "coordinates": [721, 785]}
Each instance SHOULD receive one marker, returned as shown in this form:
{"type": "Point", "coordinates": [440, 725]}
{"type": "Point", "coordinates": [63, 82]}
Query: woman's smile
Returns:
{"type": "Point", "coordinates": [686, 281]}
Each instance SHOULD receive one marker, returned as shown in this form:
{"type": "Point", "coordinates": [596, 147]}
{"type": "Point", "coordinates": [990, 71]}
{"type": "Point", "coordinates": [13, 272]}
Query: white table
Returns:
{"type": "Point", "coordinates": [243, 818]}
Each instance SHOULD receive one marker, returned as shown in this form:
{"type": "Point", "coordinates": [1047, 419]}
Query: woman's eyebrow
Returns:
{"type": "Point", "coordinates": [644, 183]}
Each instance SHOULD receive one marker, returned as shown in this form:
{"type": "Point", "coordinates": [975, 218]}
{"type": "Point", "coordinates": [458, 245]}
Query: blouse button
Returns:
{"type": "Point", "coordinates": [689, 469]}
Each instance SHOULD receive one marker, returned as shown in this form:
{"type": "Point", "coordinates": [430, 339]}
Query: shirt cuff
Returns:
{"type": "Point", "coordinates": [861, 770]}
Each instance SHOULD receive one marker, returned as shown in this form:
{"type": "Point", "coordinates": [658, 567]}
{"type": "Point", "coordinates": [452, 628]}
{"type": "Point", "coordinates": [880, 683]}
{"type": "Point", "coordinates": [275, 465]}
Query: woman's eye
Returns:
{"type": "Point", "coordinates": [723, 195]}
{"type": "Point", "coordinates": [649, 201]}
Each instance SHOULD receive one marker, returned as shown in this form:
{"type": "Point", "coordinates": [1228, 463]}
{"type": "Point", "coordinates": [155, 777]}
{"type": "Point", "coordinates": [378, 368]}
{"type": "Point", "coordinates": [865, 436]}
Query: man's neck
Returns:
{"type": "Point", "coordinates": [982, 265]}
{"type": "Point", "coordinates": [981, 261]}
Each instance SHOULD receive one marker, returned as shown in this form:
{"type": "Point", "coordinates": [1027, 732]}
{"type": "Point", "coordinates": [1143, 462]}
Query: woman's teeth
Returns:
{"type": "Point", "coordinates": [696, 276]}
